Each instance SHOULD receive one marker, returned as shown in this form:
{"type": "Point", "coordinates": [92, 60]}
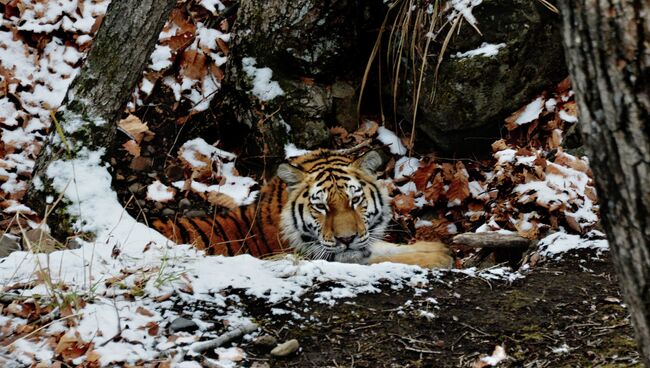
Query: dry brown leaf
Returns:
{"type": "Point", "coordinates": [499, 145]}
{"type": "Point", "coordinates": [144, 311]}
{"type": "Point", "coordinates": [423, 175]}
{"type": "Point", "coordinates": [573, 224]}
{"type": "Point", "coordinates": [152, 328]}
{"type": "Point", "coordinates": [132, 147]}
{"type": "Point", "coordinates": [223, 46]}
{"type": "Point", "coordinates": [134, 128]}
{"type": "Point", "coordinates": [459, 187]}
{"type": "Point", "coordinates": [217, 72]}
{"type": "Point", "coordinates": [435, 192]}
{"type": "Point", "coordinates": [404, 203]}
{"type": "Point", "coordinates": [71, 346]}
{"type": "Point", "coordinates": [193, 64]}
{"type": "Point", "coordinates": [439, 229]}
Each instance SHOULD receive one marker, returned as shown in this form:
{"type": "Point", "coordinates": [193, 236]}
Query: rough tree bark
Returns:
{"type": "Point", "coordinates": [96, 98]}
{"type": "Point", "coordinates": [607, 50]}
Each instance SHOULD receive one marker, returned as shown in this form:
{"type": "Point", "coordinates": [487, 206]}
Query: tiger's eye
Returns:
{"type": "Point", "coordinates": [320, 206]}
{"type": "Point", "coordinates": [356, 200]}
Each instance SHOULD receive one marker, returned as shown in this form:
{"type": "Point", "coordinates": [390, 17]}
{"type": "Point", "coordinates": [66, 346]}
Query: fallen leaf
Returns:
{"type": "Point", "coordinates": [132, 147]}
{"type": "Point", "coordinates": [404, 203]}
{"type": "Point", "coordinates": [134, 128]}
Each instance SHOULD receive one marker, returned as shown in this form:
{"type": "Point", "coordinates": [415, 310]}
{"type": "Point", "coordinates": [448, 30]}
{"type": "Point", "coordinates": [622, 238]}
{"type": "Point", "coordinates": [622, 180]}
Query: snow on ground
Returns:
{"type": "Point", "coordinates": [146, 259]}
{"type": "Point", "coordinates": [554, 245]}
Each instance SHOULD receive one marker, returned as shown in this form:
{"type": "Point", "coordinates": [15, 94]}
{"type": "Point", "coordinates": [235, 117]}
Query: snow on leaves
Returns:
{"type": "Point", "coordinates": [530, 185]}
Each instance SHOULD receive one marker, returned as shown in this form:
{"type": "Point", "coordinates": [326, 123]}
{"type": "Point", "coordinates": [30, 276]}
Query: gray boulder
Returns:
{"type": "Point", "coordinates": [473, 95]}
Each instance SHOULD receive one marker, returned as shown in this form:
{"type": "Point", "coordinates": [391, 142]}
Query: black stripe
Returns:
{"type": "Point", "coordinates": [237, 225]}
{"type": "Point", "coordinates": [224, 236]}
{"type": "Point", "coordinates": [293, 216]}
{"type": "Point", "coordinates": [376, 193]}
{"type": "Point", "coordinates": [185, 237]}
{"type": "Point", "coordinates": [203, 236]}
{"type": "Point", "coordinates": [301, 208]}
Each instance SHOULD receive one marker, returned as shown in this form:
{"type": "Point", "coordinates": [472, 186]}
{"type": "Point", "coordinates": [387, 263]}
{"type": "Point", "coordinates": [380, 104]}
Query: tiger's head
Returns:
{"type": "Point", "coordinates": [335, 208]}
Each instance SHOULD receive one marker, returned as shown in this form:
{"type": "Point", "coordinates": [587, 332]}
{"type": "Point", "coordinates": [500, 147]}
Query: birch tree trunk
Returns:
{"type": "Point", "coordinates": [607, 50]}
{"type": "Point", "coordinates": [88, 116]}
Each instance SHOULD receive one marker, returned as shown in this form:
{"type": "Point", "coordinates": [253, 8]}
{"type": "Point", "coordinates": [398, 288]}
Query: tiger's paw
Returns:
{"type": "Point", "coordinates": [422, 253]}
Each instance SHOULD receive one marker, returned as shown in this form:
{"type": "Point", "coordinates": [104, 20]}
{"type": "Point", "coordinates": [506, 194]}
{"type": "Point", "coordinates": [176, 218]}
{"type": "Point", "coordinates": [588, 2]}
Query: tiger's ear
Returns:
{"type": "Point", "coordinates": [290, 174]}
{"type": "Point", "coordinates": [370, 162]}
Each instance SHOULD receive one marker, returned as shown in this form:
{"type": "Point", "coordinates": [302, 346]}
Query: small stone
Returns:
{"type": "Point", "coordinates": [8, 244]}
{"type": "Point", "coordinates": [184, 203]}
{"type": "Point", "coordinates": [40, 241]}
{"type": "Point", "coordinates": [175, 172]}
{"type": "Point", "coordinates": [183, 325]}
{"type": "Point", "coordinates": [136, 188]}
{"type": "Point", "coordinates": [196, 213]}
{"type": "Point", "coordinates": [168, 212]}
{"type": "Point", "coordinates": [140, 163]}
{"type": "Point", "coordinates": [265, 341]}
{"type": "Point", "coordinates": [286, 348]}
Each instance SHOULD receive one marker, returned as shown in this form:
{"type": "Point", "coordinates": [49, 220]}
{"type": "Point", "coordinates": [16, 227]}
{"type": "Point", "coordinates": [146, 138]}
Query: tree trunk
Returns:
{"type": "Point", "coordinates": [96, 98]}
{"type": "Point", "coordinates": [607, 50]}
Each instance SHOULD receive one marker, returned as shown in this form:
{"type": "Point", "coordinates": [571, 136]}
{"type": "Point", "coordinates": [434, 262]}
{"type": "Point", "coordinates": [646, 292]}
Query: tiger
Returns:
{"type": "Point", "coordinates": [322, 205]}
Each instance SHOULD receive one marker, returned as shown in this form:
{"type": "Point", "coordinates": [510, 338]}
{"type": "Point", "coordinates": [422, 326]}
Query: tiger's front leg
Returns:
{"type": "Point", "coordinates": [425, 254]}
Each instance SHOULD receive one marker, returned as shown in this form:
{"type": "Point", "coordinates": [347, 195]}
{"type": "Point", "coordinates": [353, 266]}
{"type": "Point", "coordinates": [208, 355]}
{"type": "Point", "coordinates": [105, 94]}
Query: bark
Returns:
{"type": "Point", "coordinates": [492, 240]}
{"type": "Point", "coordinates": [606, 46]}
{"type": "Point", "coordinates": [96, 98]}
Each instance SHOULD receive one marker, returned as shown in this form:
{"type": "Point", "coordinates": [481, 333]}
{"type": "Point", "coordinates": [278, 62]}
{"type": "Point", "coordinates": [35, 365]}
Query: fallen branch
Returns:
{"type": "Point", "coordinates": [492, 240]}
{"type": "Point", "coordinates": [200, 347]}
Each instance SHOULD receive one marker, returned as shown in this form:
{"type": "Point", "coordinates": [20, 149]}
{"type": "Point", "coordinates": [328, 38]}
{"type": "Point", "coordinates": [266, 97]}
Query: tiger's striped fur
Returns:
{"type": "Point", "coordinates": [323, 204]}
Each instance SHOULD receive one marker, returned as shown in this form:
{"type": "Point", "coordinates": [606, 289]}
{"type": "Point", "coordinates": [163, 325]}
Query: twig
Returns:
{"type": "Point", "coordinates": [200, 347]}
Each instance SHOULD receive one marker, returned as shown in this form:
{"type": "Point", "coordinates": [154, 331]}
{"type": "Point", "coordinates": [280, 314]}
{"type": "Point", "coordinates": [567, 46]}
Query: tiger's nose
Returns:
{"type": "Point", "coordinates": [347, 240]}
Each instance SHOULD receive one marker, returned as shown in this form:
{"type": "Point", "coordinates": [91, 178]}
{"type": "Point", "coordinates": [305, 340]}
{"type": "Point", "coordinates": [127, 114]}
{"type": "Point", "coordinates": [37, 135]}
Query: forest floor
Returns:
{"type": "Point", "coordinates": [564, 313]}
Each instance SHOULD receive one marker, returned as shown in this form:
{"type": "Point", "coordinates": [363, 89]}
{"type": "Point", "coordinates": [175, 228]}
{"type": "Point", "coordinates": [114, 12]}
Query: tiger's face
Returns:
{"type": "Point", "coordinates": [335, 207]}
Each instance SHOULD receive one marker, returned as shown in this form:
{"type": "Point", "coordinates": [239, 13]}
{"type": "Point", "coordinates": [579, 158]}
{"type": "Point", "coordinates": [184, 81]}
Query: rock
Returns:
{"type": "Point", "coordinates": [474, 95]}
{"type": "Point", "coordinates": [183, 325]}
{"type": "Point", "coordinates": [8, 244]}
{"type": "Point", "coordinates": [135, 188]}
{"type": "Point", "coordinates": [140, 163]}
{"type": "Point", "coordinates": [316, 51]}
{"type": "Point", "coordinates": [265, 342]}
{"type": "Point", "coordinates": [40, 241]}
{"type": "Point", "coordinates": [195, 213]}
{"type": "Point", "coordinates": [286, 348]}
{"type": "Point", "coordinates": [168, 212]}
{"type": "Point", "coordinates": [184, 203]}
{"type": "Point", "coordinates": [174, 173]}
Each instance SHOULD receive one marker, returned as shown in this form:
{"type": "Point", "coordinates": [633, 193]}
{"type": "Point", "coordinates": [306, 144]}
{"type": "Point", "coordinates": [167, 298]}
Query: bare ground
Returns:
{"type": "Point", "coordinates": [573, 303]}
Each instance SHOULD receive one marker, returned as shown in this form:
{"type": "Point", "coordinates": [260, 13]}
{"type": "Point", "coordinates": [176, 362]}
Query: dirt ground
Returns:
{"type": "Point", "coordinates": [565, 313]}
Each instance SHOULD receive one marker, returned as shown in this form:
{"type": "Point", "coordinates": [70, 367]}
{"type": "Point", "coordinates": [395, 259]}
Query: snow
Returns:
{"type": "Point", "coordinates": [290, 150]}
{"type": "Point", "coordinates": [85, 183]}
{"type": "Point", "coordinates": [159, 192]}
{"type": "Point", "coordinates": [405, 167]}
{"type": "Point", "coordinates": [198, 146]}
{"type": "Point", "coordinates": [505, 156]}
{"type": "Point", "coordinates": [464, 8]}
{"type": "Point", "coordinates": [391, 140]}
{"type": "Point", "coordinates": [264, 88]}
{"type": "Point", "coordinates": [531, 112]}
{"type": "Point", "coordinates": [497, 356]}
{"type": "Point", "coordinates": [161, 58]}
{"type": "Point", "coordinates": [568, 118]}
{"type": "Point", "coordinates": [554, 245]}
{"type": "Point", "coordinates": [485, 50]}
{"type": "Point", "coordinates": [212, 5]}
